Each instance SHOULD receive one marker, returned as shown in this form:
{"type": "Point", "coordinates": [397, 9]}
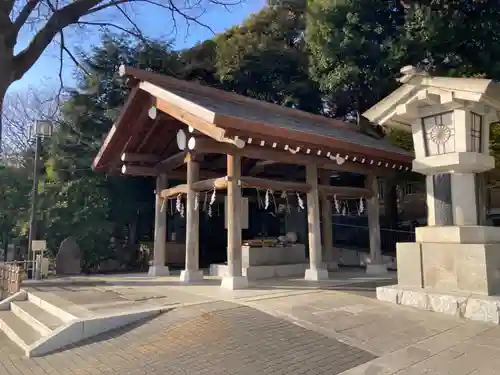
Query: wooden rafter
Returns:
{"type": "Point", "coordinates": [210, 146]}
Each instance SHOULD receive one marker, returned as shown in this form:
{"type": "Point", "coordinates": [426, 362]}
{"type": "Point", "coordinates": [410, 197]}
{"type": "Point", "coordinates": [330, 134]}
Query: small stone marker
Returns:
{"type": "Point", "coordinates": [68, 258]}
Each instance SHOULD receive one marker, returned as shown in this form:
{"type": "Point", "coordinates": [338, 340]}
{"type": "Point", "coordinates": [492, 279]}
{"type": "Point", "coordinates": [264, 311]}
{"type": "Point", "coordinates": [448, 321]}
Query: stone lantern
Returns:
{"type": "Point", "coordinates": [455, 260]}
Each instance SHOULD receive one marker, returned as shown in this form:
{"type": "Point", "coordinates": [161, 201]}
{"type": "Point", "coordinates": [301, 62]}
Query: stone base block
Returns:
{"type": "Point", "coordinates": [454, 267]}
{"type": "Point", "coordinates": [331, 265]}
{"type": "Point", "coordinates": [462, 305]}
{"type": "Point", "coordinates": [466, 234]}
{"type": "Point", "coordinates": [262, 272]}
{"type": "Point", "coordinates": [191, 276]}
{"type": "Point", "coordinates": [409, 259]}
{"type": "Point", "coordinates": [316, 274]}
{"type": "Point", "coordinates": [376, 269]}
{"type": "Point", "coordinates": [158, 271]}
{"type": "Point", "coordinates": [234, 282]}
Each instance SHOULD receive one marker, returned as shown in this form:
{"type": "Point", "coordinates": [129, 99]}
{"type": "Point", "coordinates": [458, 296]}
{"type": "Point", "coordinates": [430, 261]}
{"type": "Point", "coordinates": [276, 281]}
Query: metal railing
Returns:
{"type": "Point", "coordinates": [357, 236]}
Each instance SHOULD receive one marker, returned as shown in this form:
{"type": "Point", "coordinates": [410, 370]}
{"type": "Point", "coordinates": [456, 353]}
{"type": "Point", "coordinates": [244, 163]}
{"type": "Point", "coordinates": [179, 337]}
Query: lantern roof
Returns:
{"type": "Point", "coordinates": [420, 90]}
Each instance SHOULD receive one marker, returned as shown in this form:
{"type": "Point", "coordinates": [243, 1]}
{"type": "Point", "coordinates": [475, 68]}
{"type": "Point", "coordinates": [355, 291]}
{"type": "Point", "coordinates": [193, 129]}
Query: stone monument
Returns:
{"type": "Point", "coordinates": [68, 258]}
{"type": "Point", "coordinates": [454, 265]}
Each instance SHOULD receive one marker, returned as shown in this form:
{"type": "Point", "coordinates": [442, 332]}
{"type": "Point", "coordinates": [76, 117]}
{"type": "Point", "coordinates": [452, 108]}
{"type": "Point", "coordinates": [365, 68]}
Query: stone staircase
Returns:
{"type": "Point", "coordinates": [42, 322]}
{"type": "Point", "coordinates": [28, 319]}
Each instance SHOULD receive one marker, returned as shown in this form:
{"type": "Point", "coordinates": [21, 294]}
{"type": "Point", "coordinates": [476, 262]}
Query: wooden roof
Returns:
{"type": "Point", "coordinates": [223, 115]}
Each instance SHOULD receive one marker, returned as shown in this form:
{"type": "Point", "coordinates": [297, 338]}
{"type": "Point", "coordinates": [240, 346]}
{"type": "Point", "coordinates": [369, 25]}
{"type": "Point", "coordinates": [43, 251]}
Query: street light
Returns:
{"type": "Point", "coordinates": [42, 129]}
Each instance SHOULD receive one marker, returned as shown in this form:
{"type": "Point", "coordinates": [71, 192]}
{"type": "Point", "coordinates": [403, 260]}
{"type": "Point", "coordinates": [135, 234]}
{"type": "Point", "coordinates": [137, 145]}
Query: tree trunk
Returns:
{"type": "Point", "coordinates": [4, 85]}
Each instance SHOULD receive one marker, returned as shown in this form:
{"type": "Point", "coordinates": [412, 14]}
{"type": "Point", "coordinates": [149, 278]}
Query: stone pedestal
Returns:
{"type": "Point", "coordinates": [457, 259]}
{"type": "Point", "coordinates": [316, 274]}
{"type": "Point", "coordinates": [157, 270]}
{"type": "Point", "coordinates": [452, 270]}
{"type": "Point", "coordinates": [191, 276]}
{"type": "Point", "coordinates": [234, 282]}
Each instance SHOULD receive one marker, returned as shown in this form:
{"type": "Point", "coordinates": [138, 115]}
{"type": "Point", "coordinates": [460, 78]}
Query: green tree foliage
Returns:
{"type": "Point", "coordinates": [199, 63]}
{"type": "Point", "coordinates": [94, 207]}
{"type": "Point", "coordinates": [455, 38]}
{"type": "Point", "coordinates": [355, 52]}
{"type": "Point", "coordinates": [14, 202]}
{"type": "Point", "coordinates": [265, 58]}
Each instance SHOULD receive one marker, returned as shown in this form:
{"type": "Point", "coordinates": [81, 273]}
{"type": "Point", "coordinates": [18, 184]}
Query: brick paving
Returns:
{"type": "Point", "coordinates": [212, 338]}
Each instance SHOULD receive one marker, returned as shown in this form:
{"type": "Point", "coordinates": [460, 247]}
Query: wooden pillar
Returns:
{"type": "Point", "coordinates": [158, 267]}
{"type": "Point", "coordinates": [316, 270]}
{"type": "Point", "coordinates": [234, 278]}
{"type": "Point", "coordinates": [376, 265]}
{"type": "Point", "coordinates": [191, 271]}
{"type": "Point", "coordinates": [330, 259]}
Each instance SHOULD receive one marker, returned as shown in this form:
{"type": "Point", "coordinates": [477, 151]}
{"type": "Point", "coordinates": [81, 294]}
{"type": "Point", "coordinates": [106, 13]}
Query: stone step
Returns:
{"type": "Point", "coordinates": [40, 319]}
{"type": "Point", "coordinates": [53, 304]}
{"type": "Point", "coordinates": [18, 330]}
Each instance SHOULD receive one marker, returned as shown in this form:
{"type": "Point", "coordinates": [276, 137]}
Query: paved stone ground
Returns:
{"type": "Point", "coordinates": [335, 328]}
{"type": "Point", "coordinates": [405, 340]}
{"type": "Point", "coordinates": [212, 338]}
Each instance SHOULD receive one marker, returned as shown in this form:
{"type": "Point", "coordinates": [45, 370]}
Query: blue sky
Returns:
{"type": "Point", "coordinates": [152, 21]}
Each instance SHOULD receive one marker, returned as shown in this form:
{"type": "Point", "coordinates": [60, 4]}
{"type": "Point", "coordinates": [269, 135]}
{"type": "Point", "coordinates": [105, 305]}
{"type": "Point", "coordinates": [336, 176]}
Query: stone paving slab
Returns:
{"type": "Point", "coordinates": [214, 338]}
{"type": "Point", "coordinates": [407, 341]}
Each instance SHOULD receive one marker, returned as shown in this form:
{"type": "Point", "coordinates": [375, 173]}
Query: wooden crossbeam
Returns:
{"type": "Point", "coordinates": [344, 191]}
{"type": "Point", "coordinates": [262, 183]}
{"type": "Point", "coordinates": [174, 191]}
{"type": "Point", "coordinates": [219, 183]}
{"type": "Point", "coordinates": [260, 166]}
{"type": "Point", "coordinates": [139, 170]}
{"type": "Point", "coordinates": [172, 162]}
{"type": "Point", "coordinates": [128, 157]}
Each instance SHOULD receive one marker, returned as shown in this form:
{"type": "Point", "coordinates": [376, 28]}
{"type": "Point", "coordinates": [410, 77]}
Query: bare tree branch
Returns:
{"type": "Point", "coordinates": [50, 17]}
{"type": "Point", "coordinates": [21, 19]}
{"type": "Point", "coordinates": [21, 110]}
{"type": "Point", "coordinates": [72, 13]}
{"type": "Point", "coordinates": [107, 5]}
{"type": "Point", "coordinates": [111, 25]}
{"type": "Point", "coordinates": [59, 20]}
{"type": "Point", "coordinates": [134, 25]}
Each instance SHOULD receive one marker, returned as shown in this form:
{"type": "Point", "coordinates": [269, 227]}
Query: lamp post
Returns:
{"type": "Point", "coordinates": [42, 129]}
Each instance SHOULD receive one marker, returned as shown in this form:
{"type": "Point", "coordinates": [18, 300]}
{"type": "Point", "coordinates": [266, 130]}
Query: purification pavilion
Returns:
{"type": "Point", "coordinates": [215, 140]}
